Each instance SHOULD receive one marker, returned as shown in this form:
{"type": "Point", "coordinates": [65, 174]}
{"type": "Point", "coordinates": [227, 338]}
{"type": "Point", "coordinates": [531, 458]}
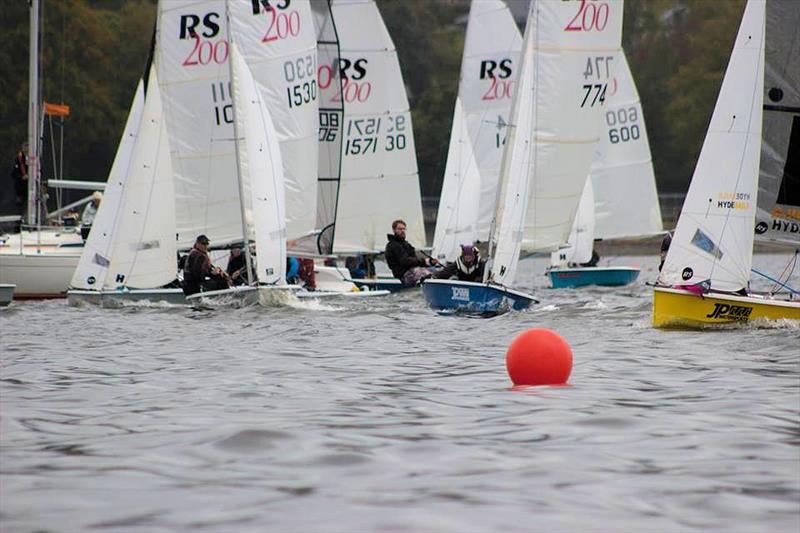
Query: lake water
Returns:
{"type": "Point", "coordinates": [382, 415]}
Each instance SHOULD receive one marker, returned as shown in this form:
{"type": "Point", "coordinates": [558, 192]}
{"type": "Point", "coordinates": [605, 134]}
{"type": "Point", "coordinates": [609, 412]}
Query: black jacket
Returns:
{"type": "Point", "coordinates": [401, 256]}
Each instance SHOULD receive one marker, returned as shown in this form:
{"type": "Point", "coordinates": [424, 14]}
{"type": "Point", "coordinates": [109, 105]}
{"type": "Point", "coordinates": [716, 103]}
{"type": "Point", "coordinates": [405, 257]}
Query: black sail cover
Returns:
{"type": "Point", "coordinates": [778, 215]}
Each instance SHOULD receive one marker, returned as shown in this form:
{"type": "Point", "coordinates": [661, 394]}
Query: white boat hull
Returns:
{"type": "Point", "coordinates": [44, 275]}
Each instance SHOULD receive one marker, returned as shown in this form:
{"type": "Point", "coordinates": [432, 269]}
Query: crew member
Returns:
{"type": "Point", "coordinates": [89, 214]}
{"type": "Point", "coordinates": [407, 265]}
{"type": "Point", "coordinates": [468, 266]}
{"type": "Point", "coordinates": [198, 272]}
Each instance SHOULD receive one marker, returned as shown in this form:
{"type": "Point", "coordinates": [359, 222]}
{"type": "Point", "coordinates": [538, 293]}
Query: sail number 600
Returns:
{"type": "Point", "coordinates": [591, 15]}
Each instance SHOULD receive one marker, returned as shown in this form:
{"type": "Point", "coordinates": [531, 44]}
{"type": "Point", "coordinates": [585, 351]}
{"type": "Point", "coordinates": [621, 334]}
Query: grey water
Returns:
{"type": "Point", "coordinates": [382, 415]}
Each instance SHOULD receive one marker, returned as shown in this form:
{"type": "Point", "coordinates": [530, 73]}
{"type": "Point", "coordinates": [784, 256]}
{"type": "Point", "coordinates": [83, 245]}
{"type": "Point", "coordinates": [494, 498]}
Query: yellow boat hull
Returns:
{"type": "Point", "coordinates": [675, 308]}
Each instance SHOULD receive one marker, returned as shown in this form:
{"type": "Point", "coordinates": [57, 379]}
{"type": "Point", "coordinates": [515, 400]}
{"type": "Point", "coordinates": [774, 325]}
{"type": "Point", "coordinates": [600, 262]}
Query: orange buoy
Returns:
{"type": "Point", "coordinates": [539, 356]}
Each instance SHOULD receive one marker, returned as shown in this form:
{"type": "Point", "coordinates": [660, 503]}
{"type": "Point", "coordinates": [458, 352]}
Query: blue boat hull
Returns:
{"type": "Point", "coordinates": [481, 298]}
{"type": "Point", "coordinates": [381, 284]}
{"type": "Point", "coordinates": [562, 278]}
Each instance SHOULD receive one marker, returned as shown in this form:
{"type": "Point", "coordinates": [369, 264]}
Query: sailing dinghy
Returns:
{"type": "Point", "coordinates": [367, 165]}
{"type": "Point", "coordinates": [622, 169]}
{"type": "Point", "coordinates": [706, 275]}
{"type": "Point", "coordinates": [555, 123]}
{"type": "Point", "coordinates": [131, 252]}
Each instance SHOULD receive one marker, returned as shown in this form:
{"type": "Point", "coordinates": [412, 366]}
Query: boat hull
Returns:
{"type": "Point", "coordinates": [469, 297]}
{"type": "Point", "coordinates": [6, 293]}
{"type": "Point", "coordinates": [382, 284]}
{"type": "Point", "coordinates": [77, 297]}
{"type": "Point", "coordinates": [38, 276]}
{"type": "Point", "coordinates": [562, 278]}
{"type": "Point", "coordinates": [676, 308]}
{"type": "Point", "coordinates": [237, 296]}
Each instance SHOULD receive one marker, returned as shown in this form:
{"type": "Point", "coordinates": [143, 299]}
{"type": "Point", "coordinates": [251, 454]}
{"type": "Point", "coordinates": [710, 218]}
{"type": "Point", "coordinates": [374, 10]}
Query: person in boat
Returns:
{"type": "Point", "coordinates": [665, 248]}
{"type": "Point", "coordinates": [468, 266]}
{"type": "Point", "coordinates": [300, 271]}
{"type": "Point", "coordinates": [357, 266]}
{"type": "Point", "coordinates": [237, 267]}
{"type": "Point", "coordinates": [89, 213]}
{"type": "Point", "coordinates": [198, 272]}
{"type": "Point", "coordinates": [19, 173]}
{"type": "Point", "coordinates": [406, 263]}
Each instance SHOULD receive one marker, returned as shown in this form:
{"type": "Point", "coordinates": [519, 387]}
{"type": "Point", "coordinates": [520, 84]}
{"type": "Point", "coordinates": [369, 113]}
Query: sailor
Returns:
{"type": "Point", "coordinates": [19, 173]}
{"type": "Point", "coordinates": [665, 248]}
{"type": "Point", "coordinates": [406, 263]}
{"type": "Point", "coordinates": [468, 266]}
{"type": "Point", "coordinates": [237, 267]}
{"type": "Point", "coordinates": [199, 274]}
{"type": "Point", "coordinates": [89, 213]}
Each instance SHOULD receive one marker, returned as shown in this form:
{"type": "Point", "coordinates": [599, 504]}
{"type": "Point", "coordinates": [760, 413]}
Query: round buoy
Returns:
{"type": "Point", "coordinates": [539, 357]}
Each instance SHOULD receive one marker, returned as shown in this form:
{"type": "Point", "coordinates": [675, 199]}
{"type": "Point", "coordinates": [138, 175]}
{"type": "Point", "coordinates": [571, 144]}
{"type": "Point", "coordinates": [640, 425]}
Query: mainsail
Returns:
{"type": "Point", "coordinates": [331, 118]}
{"type": "Point", "coordinates": [192, 61]}
{"type": "Point", "coordinates": [622, 168]}
{"type": "Point", "coordinates": [778, 214]}
{"type": "Point", "coordinates": [488, 76]}
{"type": "Point", "coordinates": [568, 63]}
{"type": "Point", "coordinates": [378, 179]}
{"type": "Point", "coordinates": [713, 242]}
{"type": "Point", "coordinates": [278, 41]}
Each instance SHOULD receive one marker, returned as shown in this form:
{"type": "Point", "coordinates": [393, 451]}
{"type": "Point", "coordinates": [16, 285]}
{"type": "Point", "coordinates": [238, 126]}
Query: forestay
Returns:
{"type": "Point", "coordinates": [569, 53]}
{"type": "Point", "coordinates": [192, 59]}
{"type": "Point", "coordinates": [262, 167]}
{"type": "Point", "coordinates": [622, 168]}
{"type": "Point", "coordinates": [95, 257]}
{"type": "Point", "coordinates": [379, 180]}
{"type": "Point", "coordinates": [778, 214]}
{"type": "Point", "coordinates": [489, 69]}
{"type": "Point", "coordinates": [713, 240]}
{"type": "Point", "coordinates": [278, 42]}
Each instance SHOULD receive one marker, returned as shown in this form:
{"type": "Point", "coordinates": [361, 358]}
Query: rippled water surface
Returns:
{"type": "Point", "coordinates": [383, 415]}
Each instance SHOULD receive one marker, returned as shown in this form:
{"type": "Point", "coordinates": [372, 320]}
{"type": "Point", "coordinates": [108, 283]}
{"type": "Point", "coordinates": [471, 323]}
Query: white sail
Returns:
{"type": "Point", "coordinates": [144, 254]}
{"type": "Point", "coordinates": [622, 169]}
{"type": "Point", "coordinates": [260, 159]}
{"type": "Point", "coordinates": [713, 240]}
{"type": "Point", "coordinates": [379, 181]}
{"type": "Point", "coordinates": [778, 214]}
{"type": "Point", "coordinates": [95, 257]}
{"type": "Point", "coordinates": [192, 61]}
{"type": "Point", "coordinates": [581, 237]}
{"type": "Point", "coordinates": [568, 62]}
{"type": "Point", "coordinates": [456, 221]}
{"type": "Point", "coordinates": [488, 76]}
{"type": "Point", "coordinates": [278, 42]}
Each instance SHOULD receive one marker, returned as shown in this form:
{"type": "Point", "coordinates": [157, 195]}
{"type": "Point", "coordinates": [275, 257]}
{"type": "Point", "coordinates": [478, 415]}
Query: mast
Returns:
{"type": "Point", "coordinates": [33, 118]}
{"type": "Point", "coordinates": [247, 259]}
